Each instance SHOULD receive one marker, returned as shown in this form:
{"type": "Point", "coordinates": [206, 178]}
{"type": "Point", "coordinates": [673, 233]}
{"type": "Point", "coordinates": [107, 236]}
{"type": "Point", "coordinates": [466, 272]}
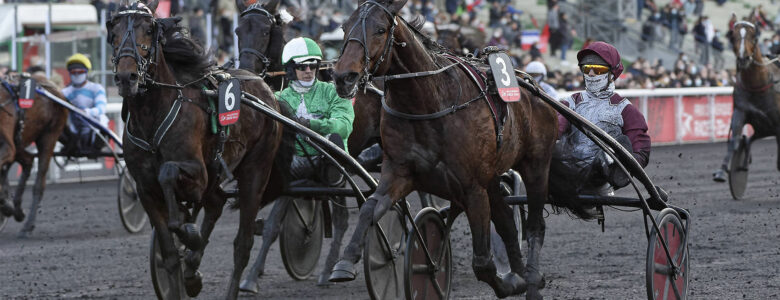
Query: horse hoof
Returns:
{"type": "Point", "coordinates": [19, 215]}
{"type": "Point", "coordinates": [537, 279]}
{"type": "Point", "coordinates": [6, 209]}
{"type": "Point", "coordinates": [533, 293]}
{"type": "Point", "coordinates": [250, 286]}
{"type": "Point", "coordinates": [719, 176]}
{"type": "Point", "coordinates": [323, 280]}
{"type": "Point", "coordinates": [25, 233]}
{"type": "Point", "coordinates": [190, 236]}
{"type": "Point", "coordinates": [517, 283]}
{"type": "Point", "coordinates": [193, 284]}
{"type": "Point", "coordinates": [343, 271]}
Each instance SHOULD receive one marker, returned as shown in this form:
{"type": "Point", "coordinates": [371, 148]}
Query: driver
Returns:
{"type": "Point", "coordinates": [315, 103]}
{"type": "Point", "coordinates": [319, 108]}
{"type": "Point", "coordinates": [88, 96]}
{"type": "Point", "coordinates": [579, 166]}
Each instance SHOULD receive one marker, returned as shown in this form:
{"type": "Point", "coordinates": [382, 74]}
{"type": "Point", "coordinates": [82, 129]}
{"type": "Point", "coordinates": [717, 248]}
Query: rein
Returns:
{"type": "Point", "coordinates": [11, 91]}
{"type": "Point", "coordinates": [365, 10]}
{"type": "Point", "coordinates": [129, 48]}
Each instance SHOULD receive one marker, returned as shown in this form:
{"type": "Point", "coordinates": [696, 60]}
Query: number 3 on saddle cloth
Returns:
{"type": "Point", "coordinates": [503, 86]}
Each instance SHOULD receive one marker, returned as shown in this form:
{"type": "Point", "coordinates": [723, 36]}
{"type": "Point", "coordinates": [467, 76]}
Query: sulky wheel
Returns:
{"type": "Point", "coordinates": [3, 221]}
{"type": "Point", "coordinates": [300, 240]}
{"type": "Point", "coordinates": [383, 256]}
{"type": "Point", "coordinates": [738, 169]}
{"type": "Point", "coordinates": [164, 285]}
{"type": "Point", "coordinates": [430, 200]}
{"type": "Point", "coordinates": [662, 281]}
{"type": "Point", "coordinates": [424, 280]}
{"type": "Point", "coordinates": [131, 212]}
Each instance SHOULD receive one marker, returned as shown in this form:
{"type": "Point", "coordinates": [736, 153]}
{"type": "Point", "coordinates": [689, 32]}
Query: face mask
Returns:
{"type": "Point", "coordinates": [576, 84]}
{"type": "Point", "coordinates": [687, 82]}
{"type": "Point", "coordinates": [697, 82]}
{"type": "Point", "coordinates": [306, 83]}
{"type": "Point", "coordinates": [78, 79]}
{"type": "Point", "coordinates": [657, 15]}
{"type": "Point", "coordinates": [595, 84]}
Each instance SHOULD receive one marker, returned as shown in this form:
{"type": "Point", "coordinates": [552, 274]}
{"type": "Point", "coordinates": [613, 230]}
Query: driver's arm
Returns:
{"type": "Point", "coordinates": [340, 116]}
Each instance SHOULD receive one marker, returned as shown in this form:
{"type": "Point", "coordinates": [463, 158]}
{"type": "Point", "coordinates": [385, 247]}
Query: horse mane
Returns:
{"type": "Point", "coordinates": [183, 54]}
{"type": "Point", "coordinates": [416, 25]}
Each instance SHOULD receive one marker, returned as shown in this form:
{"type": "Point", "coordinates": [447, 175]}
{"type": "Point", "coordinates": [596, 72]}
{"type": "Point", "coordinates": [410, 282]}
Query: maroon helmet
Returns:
{"type": "Point", "coordinates": [607, 52]}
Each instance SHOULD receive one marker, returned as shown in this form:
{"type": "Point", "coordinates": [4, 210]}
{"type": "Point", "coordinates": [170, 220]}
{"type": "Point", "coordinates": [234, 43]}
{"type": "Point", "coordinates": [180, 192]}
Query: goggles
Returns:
{"type": "Point", "coordinates": [311, 66]}
{"type": "Point", "coordinates": [597, 69]}
{"type": "Point", "coordinates": [77, 71]}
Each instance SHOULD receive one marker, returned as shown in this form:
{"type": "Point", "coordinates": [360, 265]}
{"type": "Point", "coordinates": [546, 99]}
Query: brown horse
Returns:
{"type": "Point", "coordinates": [454, 155]}
{"type": "Point", "coordinates": [43, 125]}
{"type": "Point", "coordinates": [756, 94]}
{"type": "Point", "coordinates": [171, 151]}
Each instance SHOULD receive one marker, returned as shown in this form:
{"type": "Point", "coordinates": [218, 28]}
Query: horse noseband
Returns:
{"type": "Point", "coordinates": [129, 48]}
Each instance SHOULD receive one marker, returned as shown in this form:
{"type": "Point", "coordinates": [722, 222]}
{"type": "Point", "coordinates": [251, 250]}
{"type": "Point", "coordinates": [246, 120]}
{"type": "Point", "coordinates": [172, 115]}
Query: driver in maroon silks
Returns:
{"type": "Point", "coordinates": [579, 166]}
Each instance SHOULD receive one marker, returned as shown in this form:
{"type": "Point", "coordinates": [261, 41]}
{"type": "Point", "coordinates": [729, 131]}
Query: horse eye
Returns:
{"type": "Point", "coordinates": [148, 31]}
{"type": "Point", "coordinates": [381, 31]}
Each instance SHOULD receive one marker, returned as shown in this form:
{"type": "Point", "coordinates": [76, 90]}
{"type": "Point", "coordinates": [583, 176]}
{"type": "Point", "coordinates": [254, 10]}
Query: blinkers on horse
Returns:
{"type": "Point", "coordinates": [255, 10]}
{"type": "Point", "coordinates": [129, 47]}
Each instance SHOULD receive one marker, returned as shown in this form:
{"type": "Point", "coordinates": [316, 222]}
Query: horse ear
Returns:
{"type": "Point", "coordinates": [240, 7]}
{"type": "Point", "coordinates": [272, 6]}
{"type": "Point", "coordinates": [396, 5]}
{"type": "Point", "coordinates": [153, 5]}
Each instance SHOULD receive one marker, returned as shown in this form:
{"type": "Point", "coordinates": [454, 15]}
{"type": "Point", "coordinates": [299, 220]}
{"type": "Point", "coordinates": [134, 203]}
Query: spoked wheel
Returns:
{"type": "Point", "coordinates": [662, 281]}
{"type": "Point", "coordinates": [738, 169]}
{"type": "Point", "coordinates": [163, 286]}
{"type": "Point", "coordinates": [130, 209]}
{"type": "Point", "coordinates": [383, 256]}
{"type": "Point", "coordinates": [300, 240]}
{"type": "Point", "coordinates": [429, 200]}
{"type": "Point", "coordinates": [424, 280]}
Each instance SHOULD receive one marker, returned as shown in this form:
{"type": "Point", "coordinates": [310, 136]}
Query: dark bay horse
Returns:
{"type": "Point", "coordinates": [756, 94]}
{"type": "Point", "coordinates": [171, 150]}
{"type": "Point", "coordinates": [43, 125]}
{"type": "Point", "coordinates": [454, 155]}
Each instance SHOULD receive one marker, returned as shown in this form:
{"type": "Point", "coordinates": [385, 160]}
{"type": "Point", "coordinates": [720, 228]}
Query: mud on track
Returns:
{"type": "Point", "coordinates": [80, 249]}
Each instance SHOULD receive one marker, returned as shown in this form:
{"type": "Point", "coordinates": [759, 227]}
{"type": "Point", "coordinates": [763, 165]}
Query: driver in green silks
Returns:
{"type": "Point", "coordinates": [317, 107]}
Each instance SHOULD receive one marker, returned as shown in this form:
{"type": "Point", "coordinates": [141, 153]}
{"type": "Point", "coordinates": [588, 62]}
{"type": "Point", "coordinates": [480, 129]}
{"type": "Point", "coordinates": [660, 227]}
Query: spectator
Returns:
{"type": "Point", "coordinates": [566, 35]}
{"type": "Point", "coordinates": [717, 47]}
{"type": "Point", "coordinates": [764, 47]}
{"type": "Point", "coordinates": [534, 51]}
{"type": "Point", "coordinates": [775, 48]}
{"type": "Point", "coordinates": [513, 35]}
{"type": "Point", "coordinates": [498, 39]}
{"type": "Point", "coordinates": [702, 44]}
{"type": "Point", "coordinates": [553, 24]}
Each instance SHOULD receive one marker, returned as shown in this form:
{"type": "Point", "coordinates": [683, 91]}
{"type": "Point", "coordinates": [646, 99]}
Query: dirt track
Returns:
{"type": "Point", "coordinates": [80, 249]}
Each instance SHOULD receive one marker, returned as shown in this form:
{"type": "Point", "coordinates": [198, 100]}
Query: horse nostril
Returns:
{"type": "Point", "coordinates": [133, 76]}
{"type": "Point", "coordinates": [116, 79]}
{"type": "Point", "coordinates": [351, 77]}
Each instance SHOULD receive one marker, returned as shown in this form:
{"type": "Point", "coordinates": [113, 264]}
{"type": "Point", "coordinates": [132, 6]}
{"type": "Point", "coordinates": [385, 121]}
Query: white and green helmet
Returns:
{"type": "Point", "coordinates": [301, 49]}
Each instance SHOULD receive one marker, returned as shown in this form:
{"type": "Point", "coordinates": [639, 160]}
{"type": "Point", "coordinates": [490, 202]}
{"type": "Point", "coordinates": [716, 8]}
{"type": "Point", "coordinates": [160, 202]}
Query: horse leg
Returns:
{"type": "Point", "coordinates": [271, 229]}
{"type": "Point", "coordinates": [340, 219]}
{"type": "Point", "coordinates": [737, 122]}
{"type": "Point", "coordinates": [250, 184]}
{"type": "Point", "coordinates": [171, 261]}
{"type": "Point", "coordinates": [535, 176]}
{"type": "Point", "coordinates": [503, 219]}
{"type": "Point", "coordinates": [478, 213]}
{"type": "Point", "coordinates": [45, 147]}
{"type": "Point", "coordinates": [393, 185]}
{"type": "Point", "coordinates": [193, 279]}
{"type": "Point", "coordinates": [6, 208]}
{"type": "Point", "coordinates": [25, 160]}
{"type": "Point", "coordinates": [187, 178]}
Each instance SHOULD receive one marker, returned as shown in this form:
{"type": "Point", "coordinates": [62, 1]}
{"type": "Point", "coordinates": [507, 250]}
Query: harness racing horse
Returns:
{"type": "Point", "coordinates": [170, 149]}
{"type": "Point", "coordinates": [260, 38]}
{"type": "Point", "coordinates": [42, 124]}
{"type": "Point", "coordinates": [439, 137]}
{"type": "Point", "coordinates": [756, 94]}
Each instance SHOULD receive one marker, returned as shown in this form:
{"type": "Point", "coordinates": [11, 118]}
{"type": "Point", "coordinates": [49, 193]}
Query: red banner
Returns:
{"type": "Point", "coordinates": [661, 120]}
{"type": "Point", "coordinates": [696, 123]}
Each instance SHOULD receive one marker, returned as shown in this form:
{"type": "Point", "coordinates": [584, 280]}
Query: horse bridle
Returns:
{"type": "Point", "coordinates": [129, 48]}
{"type": "Point", "coordinates": [365, 10]}
{"type": "Point", "coordinates": [257, 9]}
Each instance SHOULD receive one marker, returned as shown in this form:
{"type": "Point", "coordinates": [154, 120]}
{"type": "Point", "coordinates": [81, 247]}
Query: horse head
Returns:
{"type": "Point", "coordinates": [256, 27]}
{"type": "Point", "coordinates": [450, 38]}
{"type": "Point", "coordinates": [368, 39]}
{"type": "Point", "coordinates": [134, 35]}
{"type": "Point", "coordinates": [745, 42]}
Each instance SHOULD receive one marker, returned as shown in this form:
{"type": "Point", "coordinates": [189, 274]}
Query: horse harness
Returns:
{"type": "Point", "coordinates": [19, 128]}
{"type": "Point", "coordinates": [497, 108]}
